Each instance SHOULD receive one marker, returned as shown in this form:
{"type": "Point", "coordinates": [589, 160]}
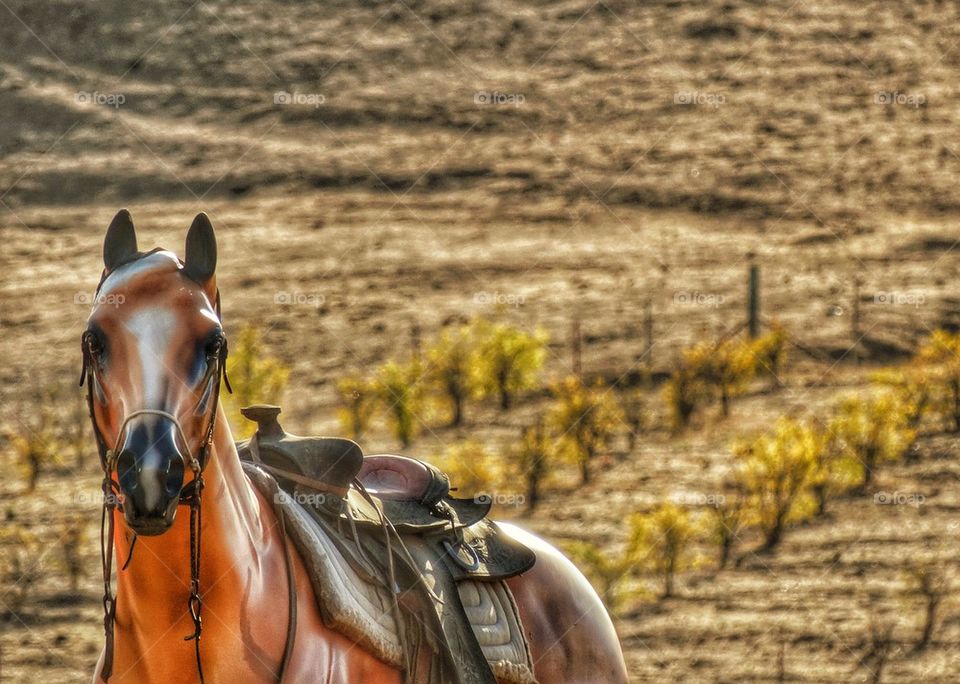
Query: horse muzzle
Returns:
{"type": "Point", "coordinates": [150, 470]}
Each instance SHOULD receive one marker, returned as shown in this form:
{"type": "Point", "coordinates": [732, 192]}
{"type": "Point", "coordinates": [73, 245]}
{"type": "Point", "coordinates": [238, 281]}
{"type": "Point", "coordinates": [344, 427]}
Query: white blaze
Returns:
{"type": "Point", "coordinates": [152, 328]}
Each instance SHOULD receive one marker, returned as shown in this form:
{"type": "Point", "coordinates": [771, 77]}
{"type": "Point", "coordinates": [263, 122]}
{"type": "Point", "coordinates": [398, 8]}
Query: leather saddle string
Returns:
{"type": "Point", "coordinates": [386, 526]}
{"type": "Point", "coordinates": [368, 566]}
{"type": "Point", "coordinates": [389, 529]}
{"type": "Point", "coordinates": [403, 552]}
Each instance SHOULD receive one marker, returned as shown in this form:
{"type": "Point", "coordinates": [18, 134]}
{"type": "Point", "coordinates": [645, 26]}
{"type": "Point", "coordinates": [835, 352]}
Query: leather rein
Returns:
{"type": "Point", "coordinates": [190, 495]}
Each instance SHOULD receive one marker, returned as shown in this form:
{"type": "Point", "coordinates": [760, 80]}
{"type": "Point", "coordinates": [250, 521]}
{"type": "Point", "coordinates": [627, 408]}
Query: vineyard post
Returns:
{"type": "Point", "coordinates": [753, 300]}
{"type": "Point", "coordinates": [855, 319]}
{"type": "Point", "coordinates": [576, 344]}
{"type": "Point", "coordinates": [415, 340]}
{"type": "Point", "coordinates": [648, 333]}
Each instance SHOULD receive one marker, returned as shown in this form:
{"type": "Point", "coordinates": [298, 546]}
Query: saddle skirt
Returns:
{"type": "Point", "coordinates": [353, 602]}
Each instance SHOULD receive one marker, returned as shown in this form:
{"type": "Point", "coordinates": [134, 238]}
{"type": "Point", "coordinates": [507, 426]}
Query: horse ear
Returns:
{"type": "Point", "coordinates": [120, 244]}
{"type": "Point", "coordinates": [200, 261]}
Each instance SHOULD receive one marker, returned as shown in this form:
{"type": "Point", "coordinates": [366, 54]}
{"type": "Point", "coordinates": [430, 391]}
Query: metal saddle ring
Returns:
{"type": "Point", "coordinates": [455, 554]}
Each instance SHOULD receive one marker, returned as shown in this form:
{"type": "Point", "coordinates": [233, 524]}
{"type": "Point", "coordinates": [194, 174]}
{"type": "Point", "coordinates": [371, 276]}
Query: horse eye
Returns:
{"type": "Point", "coordinates": [214, 345]}
{"type": "Point", "coordinates": [94, 344]}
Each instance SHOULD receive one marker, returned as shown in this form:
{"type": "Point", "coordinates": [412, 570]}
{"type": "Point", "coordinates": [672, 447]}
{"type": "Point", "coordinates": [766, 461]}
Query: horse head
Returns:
{"type": "Point", "coordinates": [154, 353]}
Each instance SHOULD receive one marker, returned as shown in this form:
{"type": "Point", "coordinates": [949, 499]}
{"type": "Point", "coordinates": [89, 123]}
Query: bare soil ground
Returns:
{"type": "Point", "coordinates": [655, 147]}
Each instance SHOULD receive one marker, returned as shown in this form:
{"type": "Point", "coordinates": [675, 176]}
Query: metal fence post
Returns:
{"type": "Point", "coordinates": [753, 300]}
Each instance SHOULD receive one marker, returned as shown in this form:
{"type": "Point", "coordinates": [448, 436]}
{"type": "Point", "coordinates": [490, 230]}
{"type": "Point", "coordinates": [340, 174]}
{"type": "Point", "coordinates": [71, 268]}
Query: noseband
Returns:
{"type": "Point", "coordinates": [189, 495]}
{"type": "Point", "coordinates": [189, 460]}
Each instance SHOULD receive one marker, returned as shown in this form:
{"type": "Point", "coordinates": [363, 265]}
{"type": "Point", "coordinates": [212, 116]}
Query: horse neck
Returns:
{"type": "Point", "coordinates": [232, 535]}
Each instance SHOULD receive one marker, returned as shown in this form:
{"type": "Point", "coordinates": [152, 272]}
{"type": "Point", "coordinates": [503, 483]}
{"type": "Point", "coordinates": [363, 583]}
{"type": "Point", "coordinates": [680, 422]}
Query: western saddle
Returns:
{"type": "Point", "coordinates": [395, 520]}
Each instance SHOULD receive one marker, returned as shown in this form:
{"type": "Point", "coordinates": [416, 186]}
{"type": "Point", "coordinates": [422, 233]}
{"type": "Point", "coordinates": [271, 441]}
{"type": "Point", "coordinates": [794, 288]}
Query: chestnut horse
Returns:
{"type": "Point", "coordinates": [154, 352]}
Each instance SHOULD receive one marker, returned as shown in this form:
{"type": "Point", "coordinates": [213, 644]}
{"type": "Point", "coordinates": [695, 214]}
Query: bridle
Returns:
{"type": "Point", "coordinates": [190, 493]}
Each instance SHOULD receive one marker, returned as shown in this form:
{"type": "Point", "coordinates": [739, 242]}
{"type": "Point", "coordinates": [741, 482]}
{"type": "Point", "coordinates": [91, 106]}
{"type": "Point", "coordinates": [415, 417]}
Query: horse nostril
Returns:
{"type": "Point", "coordinates": [174, 479]}
{"type": "Point", "coordinates": [127, 470]}
{"type": "Point", "coordinates": [138, 471]}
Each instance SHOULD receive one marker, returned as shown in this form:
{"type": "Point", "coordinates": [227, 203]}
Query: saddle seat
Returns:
{"type": "Point", "coordinates": [399, 478]}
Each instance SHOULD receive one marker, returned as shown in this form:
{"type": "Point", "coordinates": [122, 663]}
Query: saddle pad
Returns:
{"type": "Point", "coordinates": [362, 610]}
